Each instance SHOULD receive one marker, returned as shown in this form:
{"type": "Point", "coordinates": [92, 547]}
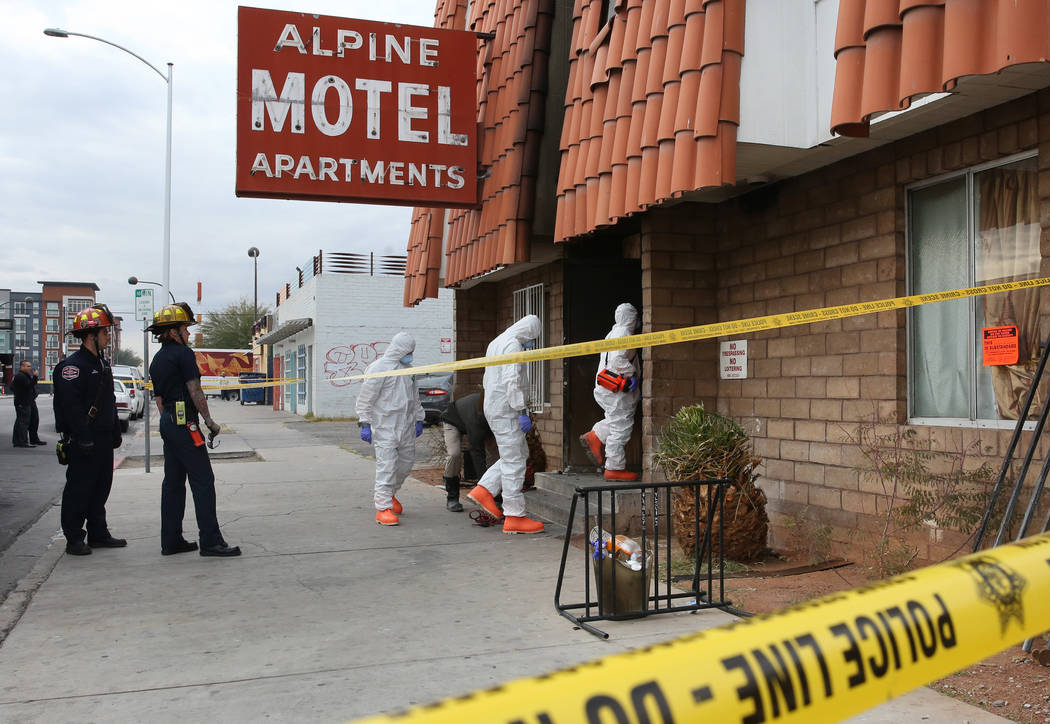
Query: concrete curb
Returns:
{"type": "Point", "coordinates": [159, 459]}
{"type": "Point", "coordinates": [18, 600]}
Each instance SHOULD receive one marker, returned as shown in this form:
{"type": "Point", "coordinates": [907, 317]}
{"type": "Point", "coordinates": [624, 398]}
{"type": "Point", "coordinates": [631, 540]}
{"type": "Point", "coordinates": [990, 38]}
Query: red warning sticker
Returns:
{"type": "Point", "coordinates": [1000, 345]}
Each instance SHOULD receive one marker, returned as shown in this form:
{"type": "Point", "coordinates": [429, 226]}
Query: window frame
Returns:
{"type": "Point", "coordinates": [301, 372]}
{"type": "Point", "coordinates": [968, 173]}
{"type": "Point", "coordinates": [537, 373]}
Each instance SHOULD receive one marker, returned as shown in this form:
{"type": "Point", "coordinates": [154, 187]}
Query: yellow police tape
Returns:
{"type": "Point", "coordinates": [673, 336]}
{"type": "Point", "coordinates": [707, 331]}
{"type": "Point", "coordinates": [820, 661]}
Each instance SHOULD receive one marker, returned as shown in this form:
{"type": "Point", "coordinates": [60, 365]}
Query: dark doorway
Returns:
{"type": "Point", "coordinates": [594, 286]}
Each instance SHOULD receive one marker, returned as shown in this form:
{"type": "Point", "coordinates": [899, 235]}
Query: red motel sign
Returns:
{"type": "Point", "coordinates": [336, 109]}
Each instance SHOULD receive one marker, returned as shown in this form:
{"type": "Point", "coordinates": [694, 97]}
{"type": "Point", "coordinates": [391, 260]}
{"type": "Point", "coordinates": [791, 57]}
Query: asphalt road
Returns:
{"type": "Point", "coordinates": [31, 482]}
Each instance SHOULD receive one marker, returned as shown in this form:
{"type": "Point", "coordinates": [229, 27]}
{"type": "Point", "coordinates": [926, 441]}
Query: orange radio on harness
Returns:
{"type": "Point", "coordinates": [612, 381]}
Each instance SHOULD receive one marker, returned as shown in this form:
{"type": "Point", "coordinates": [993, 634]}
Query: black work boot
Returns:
{"type": "Point", "coordinates": [452, 493]}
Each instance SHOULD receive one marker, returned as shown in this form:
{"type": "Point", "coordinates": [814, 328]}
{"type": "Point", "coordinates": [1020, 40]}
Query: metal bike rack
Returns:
{"type": "Point", "coordinates": [652, 538]}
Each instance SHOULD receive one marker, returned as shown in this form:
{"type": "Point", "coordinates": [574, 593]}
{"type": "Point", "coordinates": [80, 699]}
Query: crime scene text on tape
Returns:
{"type": "Point", "coordinates": [671, 336]}
{"type": "Point", "coordinates": [272, 382]}
{"type": "Point", "coordinates": [707, 331]}
{"type": "Point", "coordinates": [820, 661]}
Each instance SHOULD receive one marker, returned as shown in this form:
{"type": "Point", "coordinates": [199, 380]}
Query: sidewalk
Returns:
{"type": "Point", "coordinates": [326, 617]}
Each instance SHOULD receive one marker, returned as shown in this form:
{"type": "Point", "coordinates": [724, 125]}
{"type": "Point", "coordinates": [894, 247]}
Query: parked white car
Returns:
{"type": "Point", "coordinates": [124, 404]}
{"type": "Point", "coordinates": [135, 385]}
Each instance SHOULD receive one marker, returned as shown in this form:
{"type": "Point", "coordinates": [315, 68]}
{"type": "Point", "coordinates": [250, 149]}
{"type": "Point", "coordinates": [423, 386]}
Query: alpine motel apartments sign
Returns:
{"type": "Point", "coordinates": [334, 109]}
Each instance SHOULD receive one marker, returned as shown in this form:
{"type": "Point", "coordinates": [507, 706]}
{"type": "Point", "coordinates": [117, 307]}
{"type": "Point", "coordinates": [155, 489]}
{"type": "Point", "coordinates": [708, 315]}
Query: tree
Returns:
{"type": "Point", "coordinates": [127, 357]}
{"type": "Point", "coordinates": [231, 326]}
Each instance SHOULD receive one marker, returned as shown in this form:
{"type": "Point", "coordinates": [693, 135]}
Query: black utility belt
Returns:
{"type": "Point", "coordinates": [182, 412]}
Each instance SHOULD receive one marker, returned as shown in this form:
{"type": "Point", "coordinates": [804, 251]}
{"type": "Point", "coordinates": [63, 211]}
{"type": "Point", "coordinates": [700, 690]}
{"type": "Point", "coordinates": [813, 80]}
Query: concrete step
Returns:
{"type": "Point", "coordinates": [552, 499]}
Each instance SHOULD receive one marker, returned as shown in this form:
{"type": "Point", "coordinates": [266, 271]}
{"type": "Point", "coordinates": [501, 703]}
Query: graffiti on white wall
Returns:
{"type": "Point", "coordinates": [346, 360]}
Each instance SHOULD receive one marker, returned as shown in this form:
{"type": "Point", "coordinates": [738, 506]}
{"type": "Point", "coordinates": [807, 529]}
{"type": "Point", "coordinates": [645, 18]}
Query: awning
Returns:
{"type": "Point", "coordinates": [286, 330]}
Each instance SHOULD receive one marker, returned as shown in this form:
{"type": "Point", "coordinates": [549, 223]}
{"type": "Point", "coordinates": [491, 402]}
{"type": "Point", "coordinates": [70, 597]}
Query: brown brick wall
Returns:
{"type": "Point", "coordinates": [679, 288]}
{"type": "Point", "coordinates": [837, 236]}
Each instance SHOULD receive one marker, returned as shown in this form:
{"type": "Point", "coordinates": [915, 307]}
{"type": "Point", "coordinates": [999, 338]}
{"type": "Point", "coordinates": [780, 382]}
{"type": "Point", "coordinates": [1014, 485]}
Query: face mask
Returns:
{"type": "Point", "coordinates": [529, 344]}
{"type": "Point", "coordinates": [407, 359]}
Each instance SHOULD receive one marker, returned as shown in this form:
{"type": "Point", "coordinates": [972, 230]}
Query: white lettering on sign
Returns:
{"type": "Point", "coordinates": [266, 103]}
{"type": "Point", "coordinates": [732, 360]}
{"type": "Point", "coordinates": [395, 173]}
{"type": "Point", "coordinates": [264, 96]}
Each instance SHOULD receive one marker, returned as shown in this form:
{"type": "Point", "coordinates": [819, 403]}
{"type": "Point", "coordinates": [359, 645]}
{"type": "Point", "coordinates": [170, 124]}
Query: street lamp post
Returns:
{"type": "Point", "coordinates": [145, 355]}
{"type": "Point", "coordinates": [253, 252]}
{"type": "Point", "coordinates": [59, 33]}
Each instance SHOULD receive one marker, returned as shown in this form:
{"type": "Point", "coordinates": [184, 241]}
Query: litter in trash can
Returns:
{"type": "Point", "coordinates": [623, 582]}
{"type": "Point", "coordinates": [626, 549]}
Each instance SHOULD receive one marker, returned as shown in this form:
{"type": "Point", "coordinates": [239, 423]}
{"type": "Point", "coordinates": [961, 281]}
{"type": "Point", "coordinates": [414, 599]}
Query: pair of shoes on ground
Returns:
{"type": "Point", "coordinates": [511, 523]}
{"type": "Point", "coordinates": [388, 516]}
{"type": "Point", "coordinates": [222, 550]}
{"type": "Point", "coordinates": [37, 442]}
{"type": "Point", "coordinates": [592, 445]}
{"type": "Point", "coordinates": [84, 548]}
{"type": "Point", "coordinates": [20, 444]}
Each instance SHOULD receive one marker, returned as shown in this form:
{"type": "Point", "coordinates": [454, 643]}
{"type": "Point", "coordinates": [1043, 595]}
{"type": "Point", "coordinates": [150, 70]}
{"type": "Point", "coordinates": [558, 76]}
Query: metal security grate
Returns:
{"type": "Point", "coordinates": [533, 300]}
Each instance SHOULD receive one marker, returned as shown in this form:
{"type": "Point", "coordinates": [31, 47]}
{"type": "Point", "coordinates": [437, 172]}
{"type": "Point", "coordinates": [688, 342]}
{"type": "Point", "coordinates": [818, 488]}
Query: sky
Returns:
{"type": "Point", "coordinates": [82, 146]}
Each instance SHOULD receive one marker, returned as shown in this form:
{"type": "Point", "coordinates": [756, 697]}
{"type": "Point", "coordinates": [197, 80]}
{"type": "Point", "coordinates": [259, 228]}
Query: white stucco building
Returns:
{"type": "Point", "coordinates": [339, 317]}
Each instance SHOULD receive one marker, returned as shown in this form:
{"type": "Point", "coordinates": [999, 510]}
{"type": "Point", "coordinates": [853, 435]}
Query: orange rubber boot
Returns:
{"type": "Point", "coordinates": [397, 507]}
{"type": "Point", "coordinates": [521, 524]}
{"type": "Point", "coordinates": [593, 447]}
{"type": "Point", "coordinates": [386, 517]}
{"type": "Point", "coordinates": [484, 498]}
{"type": "Point", "coordinates": [621, 475]}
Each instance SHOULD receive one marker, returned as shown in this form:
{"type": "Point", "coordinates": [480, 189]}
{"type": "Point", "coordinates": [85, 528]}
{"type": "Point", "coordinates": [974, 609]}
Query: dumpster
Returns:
{"type": "Point", "coordinates": [628, 596]}
{"type": "Point", "coordinates": [252, 394]}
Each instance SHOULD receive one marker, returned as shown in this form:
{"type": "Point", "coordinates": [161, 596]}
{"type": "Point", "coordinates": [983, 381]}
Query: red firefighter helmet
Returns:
{"type": "Point", "coordinates": [91, 319]}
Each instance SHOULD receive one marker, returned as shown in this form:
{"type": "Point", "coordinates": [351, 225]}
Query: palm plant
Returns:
{"type": "Point", "coordinates": [698, 444]}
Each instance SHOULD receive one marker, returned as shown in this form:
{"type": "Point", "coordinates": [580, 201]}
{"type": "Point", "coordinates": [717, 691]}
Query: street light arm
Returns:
{"type": "Point", "coordinates": [158, 284]}
{"type": "Point", "coordinates": [59, 33]}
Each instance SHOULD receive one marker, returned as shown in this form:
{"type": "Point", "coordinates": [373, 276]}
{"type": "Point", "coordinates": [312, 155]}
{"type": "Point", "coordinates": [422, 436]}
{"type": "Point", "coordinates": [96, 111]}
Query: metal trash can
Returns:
{"type": "Point", "coordinates": [628, 595]}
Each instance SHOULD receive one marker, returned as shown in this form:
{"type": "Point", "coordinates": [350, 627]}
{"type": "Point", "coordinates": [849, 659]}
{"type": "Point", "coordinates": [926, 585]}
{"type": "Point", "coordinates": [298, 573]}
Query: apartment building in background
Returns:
{"type": "Point", "coordinates": [61, 301]}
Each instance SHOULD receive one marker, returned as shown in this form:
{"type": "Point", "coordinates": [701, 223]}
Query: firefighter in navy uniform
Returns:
{"type": "Point", "coordinates": [181, 402]}
{"type": "Point", "coordinates": [86, 414]}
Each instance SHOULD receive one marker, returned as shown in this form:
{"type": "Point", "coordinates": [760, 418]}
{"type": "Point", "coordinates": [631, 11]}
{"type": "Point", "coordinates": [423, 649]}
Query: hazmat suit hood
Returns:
{"type": "Point", "coordinates": [526, 328]}
{"type": "Point", "coordinates": [403, 343]}
{"type": "Point", "coordinates": [626, 316]}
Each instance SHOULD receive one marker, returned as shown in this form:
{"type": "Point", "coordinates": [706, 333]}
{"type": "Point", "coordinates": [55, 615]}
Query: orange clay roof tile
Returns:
{"type": "Point", "coordinates": [511, 92]}
{"type": "Point", "coordinates": [651, 108]}
{"type": "Point", "coordinates": [889, 52]}
{"type": "Point", "coordinates": [646, 106]}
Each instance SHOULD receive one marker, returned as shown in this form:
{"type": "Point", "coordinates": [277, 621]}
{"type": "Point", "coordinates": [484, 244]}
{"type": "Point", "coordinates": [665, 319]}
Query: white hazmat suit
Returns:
{"type": "Point", "coordinates": [504, 402]}
{"type": "Point", "coordinates": [390, 405]}
{"type": "Point", "coordinates": [614, 430]}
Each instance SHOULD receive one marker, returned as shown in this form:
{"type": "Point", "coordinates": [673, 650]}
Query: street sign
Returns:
{"type": "Point", "coordinates": [144, 305]}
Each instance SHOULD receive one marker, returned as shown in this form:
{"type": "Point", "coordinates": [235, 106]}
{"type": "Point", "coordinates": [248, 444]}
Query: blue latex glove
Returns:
{"type": "Point", "coordinates": [525, 422]}
{"type": "Point", "coordinates": [366, 433]}
{"type": "Point", "coordinates": [419, 428]}
{"type": "Point", "coordinates": [632, 382]}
